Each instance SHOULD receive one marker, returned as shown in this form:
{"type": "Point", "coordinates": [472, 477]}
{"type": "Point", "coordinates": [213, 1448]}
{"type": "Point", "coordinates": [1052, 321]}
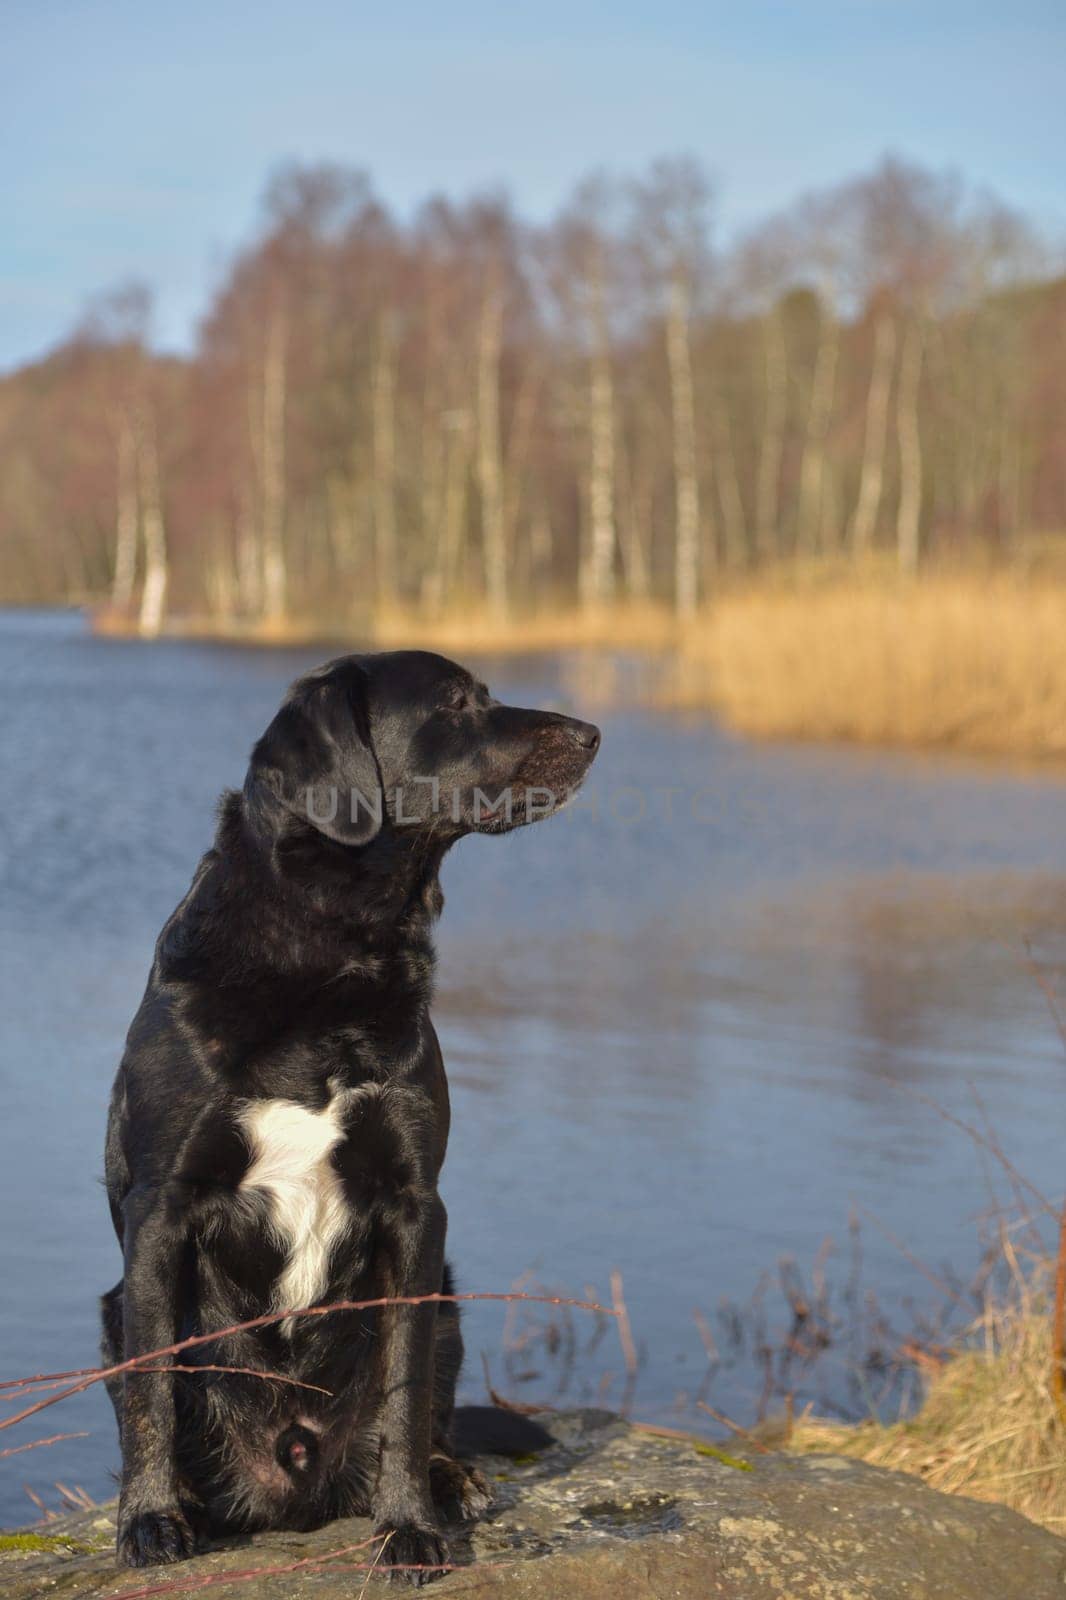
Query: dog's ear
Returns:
{"type": "Point", "coordinates": [317, 760]}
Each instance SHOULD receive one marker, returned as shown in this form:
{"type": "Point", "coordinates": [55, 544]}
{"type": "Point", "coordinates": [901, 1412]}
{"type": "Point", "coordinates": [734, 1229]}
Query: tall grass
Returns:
{"type": "Point", "coordinates": [989, 1426]}
{"type": "Point", "coordinates": [630, 625]}
{"type": "Point", "coordinates": [971, 661]}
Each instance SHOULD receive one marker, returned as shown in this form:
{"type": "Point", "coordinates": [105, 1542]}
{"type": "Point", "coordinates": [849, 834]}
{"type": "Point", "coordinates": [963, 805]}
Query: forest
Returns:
{"type": "Point", "coordinates": [464, 409]}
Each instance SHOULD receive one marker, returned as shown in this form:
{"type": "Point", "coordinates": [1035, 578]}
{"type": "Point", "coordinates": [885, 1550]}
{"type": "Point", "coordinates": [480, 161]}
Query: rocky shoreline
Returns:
{"type": "Point", "coordinates": [598, 1510]}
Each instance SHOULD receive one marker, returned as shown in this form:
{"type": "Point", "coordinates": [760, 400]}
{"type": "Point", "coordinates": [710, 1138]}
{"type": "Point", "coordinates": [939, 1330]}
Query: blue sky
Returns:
{"type": "Point", "coordinates": [135, 139]}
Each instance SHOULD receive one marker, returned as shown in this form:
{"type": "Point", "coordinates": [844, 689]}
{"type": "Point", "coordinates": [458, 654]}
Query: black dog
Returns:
{"type": "Point", "coordinates": [280, 1118]}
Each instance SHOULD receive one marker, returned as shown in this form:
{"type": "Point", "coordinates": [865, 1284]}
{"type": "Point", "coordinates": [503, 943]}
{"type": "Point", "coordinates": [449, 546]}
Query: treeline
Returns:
{"type": "Point", "coordinates": [465, 409]}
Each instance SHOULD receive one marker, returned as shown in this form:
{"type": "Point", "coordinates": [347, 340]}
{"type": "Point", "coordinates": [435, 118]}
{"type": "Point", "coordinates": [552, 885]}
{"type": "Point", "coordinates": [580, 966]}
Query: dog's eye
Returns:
{"type": "Point", "coordinates": [456, 699]}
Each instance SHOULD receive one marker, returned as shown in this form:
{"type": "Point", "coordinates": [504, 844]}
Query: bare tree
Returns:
{"type": "Point", "coordinates": [671, 233]}
{"type": "Point", "coordinates": [127, 517]}
{"type": "Point", "coordinates": [583, 258]}
{"type": "Point", "coordinates": [378, 411]}
{"type": "Point", "coordinates": [156, 569]}
{"type": "Point", "coordinates": [489, 462]}
{"type": "Point", "coordinates": [875, 435]}
{"type": "Point", "coordinates": [772, 448]}
{"type": "Point", "coordinates": [384, 414]}
{"type": "Point", "coordinates": [119, 321]}
{"type": "Point", "coordinates": [758, 272]}
{"type": "Point", "coordinates": [908, 429]}
{"type": "Point", "coordinates": [819, 416]}
{"type": "Point", "coordinates": [272, 466]}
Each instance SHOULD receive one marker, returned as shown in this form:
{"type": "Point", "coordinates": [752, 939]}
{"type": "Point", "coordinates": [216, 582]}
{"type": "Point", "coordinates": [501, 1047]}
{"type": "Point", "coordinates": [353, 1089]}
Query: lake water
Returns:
{"type": "Point", "coordinates": [732, 1013]}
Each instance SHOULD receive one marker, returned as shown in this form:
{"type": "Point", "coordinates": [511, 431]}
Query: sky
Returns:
{"type": "Point", "coordinates": [136, 139]}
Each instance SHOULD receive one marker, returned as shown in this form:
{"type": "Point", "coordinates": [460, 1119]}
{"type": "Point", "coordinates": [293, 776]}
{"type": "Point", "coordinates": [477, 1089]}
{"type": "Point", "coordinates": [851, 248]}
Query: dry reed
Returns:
{"type": "Point", "coordinates": [989, 1426]}
{"type": "Point", "coordinates": [966, 661]}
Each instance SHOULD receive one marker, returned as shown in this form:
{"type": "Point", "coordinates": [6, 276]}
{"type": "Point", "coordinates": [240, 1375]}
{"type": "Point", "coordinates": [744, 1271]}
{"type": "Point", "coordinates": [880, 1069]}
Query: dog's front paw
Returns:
{"type": "Point", "coordinates": [460, 1492]}
{"type": "Point", "coordinates": [411, 1554]}
{"type": "Point", "coordinates": [154, 1539]}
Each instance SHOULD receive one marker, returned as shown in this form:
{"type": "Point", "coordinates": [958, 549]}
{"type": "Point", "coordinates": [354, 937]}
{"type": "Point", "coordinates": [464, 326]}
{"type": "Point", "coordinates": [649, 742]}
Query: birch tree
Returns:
{"type": "Point", "coordinates": [582, 253]}
{"type": "Point", "coordinates": [670, 219]}
{"type": "Point", "coordinates": [686, 482]}
{"type": "Point", "coordinates": [384, 451]}
{"type": "Point", "coordinates": [127, 520]}
{"type": "Point", "coordinates": [819, 415]}
{"type": "Point", "coordinates": [772, 438]}
{"type": "Point", "coordinates": [119, 320]}
{"type": "Point", "coordinates": [272, 470]}
{"type": "Point", "coordinates": [758, 274]}
{"type": "Point", "coordinates": [908, 430]}
{"type": "Point", "coordinates": [865, 517]}
{"type": "Point", "coordinates": [156, 568]}
{"type": "Point", "coordinates": [489, 454]}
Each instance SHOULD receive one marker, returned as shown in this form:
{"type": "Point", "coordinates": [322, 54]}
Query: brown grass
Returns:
{"type": "Point", "coordinates": [626, 625]}
{"type": "Point", "coordinates": [465, 627]}
{"type": "Point", "coordinates": [968, 661]}
{"type": "Point", "coordinates": [973, 660]}
{"type": "Point", "coordinates": [989, 1426]}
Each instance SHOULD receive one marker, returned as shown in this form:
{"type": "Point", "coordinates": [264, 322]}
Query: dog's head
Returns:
{"type": "Point", "coordinates": [411, 741]}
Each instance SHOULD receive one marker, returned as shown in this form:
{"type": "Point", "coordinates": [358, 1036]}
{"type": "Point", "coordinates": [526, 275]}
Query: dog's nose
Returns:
{"type": "Point", "coordinates": [586, 734]}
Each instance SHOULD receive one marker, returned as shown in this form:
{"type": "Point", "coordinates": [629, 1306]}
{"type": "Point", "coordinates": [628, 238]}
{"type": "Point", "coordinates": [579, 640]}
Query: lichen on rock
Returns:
{"type": "Point", "coordinates": [604, 1510]}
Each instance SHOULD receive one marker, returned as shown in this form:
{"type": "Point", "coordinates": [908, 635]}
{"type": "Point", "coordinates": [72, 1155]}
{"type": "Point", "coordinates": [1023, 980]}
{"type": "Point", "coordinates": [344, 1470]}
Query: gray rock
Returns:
{"type": "Point", "coordinates": [605, 1512]}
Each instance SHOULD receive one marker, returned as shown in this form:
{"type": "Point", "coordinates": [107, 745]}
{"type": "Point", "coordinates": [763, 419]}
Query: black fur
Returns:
{"type": "Point", "coordinates": [301, 961]}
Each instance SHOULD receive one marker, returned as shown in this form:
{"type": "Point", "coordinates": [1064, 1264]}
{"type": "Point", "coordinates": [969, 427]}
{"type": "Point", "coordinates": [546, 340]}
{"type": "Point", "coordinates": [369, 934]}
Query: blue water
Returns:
{"type": "Point", "coordinates": [730, 1015]}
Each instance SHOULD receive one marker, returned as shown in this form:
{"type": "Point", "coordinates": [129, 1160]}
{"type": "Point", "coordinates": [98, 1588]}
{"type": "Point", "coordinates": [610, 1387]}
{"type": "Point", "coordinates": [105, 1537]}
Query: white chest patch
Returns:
{"type": "Point", "coordinates": [291, 1149]}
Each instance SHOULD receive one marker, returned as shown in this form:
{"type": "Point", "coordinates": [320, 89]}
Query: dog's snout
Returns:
{"type": "Point", "coordinates": [586, 734]}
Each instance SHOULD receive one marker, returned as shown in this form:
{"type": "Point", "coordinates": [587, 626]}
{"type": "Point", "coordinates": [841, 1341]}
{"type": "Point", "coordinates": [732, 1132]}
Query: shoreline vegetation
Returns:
{"type": "Point", "coordinates": [813, 477]}
{"type": "Point", "coordinates": [970, 660]}
{"type": "Point", "coordinates": [992, 1424]}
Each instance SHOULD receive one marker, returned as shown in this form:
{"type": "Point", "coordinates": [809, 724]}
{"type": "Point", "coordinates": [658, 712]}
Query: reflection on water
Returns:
{"type": "Point", "coordinates": [684, 1046]}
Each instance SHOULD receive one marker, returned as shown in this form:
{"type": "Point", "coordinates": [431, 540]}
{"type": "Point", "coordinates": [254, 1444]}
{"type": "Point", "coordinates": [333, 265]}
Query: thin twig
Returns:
{"type": "Point", "coordinates": [209, 1579]}
{"type": "Point", "coordinates": [1058, 1335]}
{"type": "Point", "coordinates": [136, 1363]}
{"type": "Point", "coordinates": [978, 1137]}
{"type": "Point", "coordinates": [704, 1329]}
{"type": "Point", "coordinates": [47, 1514]}
{"type": "Point", "coordinates": [76, 1497]}
{"type": "Point", "coordinates": [734, 1427]}
{"type": "Point", "coordinates": [391, 1534]}
{"type": "Point", "coordinates": [35, 1385]}
{"type": "Point", "coordinates": [625, 1332]}
{"type": "Point", "coordinates": [915, 1261]}
{"type": "Point", "coordinates": [35, 1444]}
{"type": "Point", "coordinates": [1050, 996]}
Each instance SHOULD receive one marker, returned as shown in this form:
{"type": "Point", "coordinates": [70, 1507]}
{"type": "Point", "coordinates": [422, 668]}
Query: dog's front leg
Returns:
{"type": "Point", "coordinates": [152, 1527]}
{"type": "Point", "coordinates": [403, 1504]}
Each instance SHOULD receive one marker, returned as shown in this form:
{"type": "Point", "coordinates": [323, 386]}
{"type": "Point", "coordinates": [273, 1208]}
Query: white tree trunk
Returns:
{"type": "Point", "coordinates": [909, 511]}
{"type": "Point", "coordinates": [734, 521]}
{"type": "Point", "coordinates": [1009, 496]}
{"type": "Point", "coordinates": [249, 559]}
{"type": "Point", "coordinates": [489, 464]}
{"type": "Point", "coordinates": [126, 518]}
{"type": "Point", "coordinates": [875, 438]}
{"type": "Point", "coordinates": [597, 570]}
{"type": "Point", "coordinates": [156, 572]}
{"type": "Point", "coordinates": [384, 447]}
{"type": "Point", "coordinates": [432, 489]}
{"type": "Point", "coordinates": [686, 486]}
{"type": "Point", "coordinates": [767, 489]}
{"type": "Point", "coordinates": [220, 579]}
{"type": "Point", "coordinates": [636, 518]}
{"type": "Point", "coordinates": [448, 554]}
{"type": "Point", "coordinates": [275, 576]}
{"type": "Point", "coordinates": [541, 544]}
{"type": "Point", "coordinates": [819, 416]}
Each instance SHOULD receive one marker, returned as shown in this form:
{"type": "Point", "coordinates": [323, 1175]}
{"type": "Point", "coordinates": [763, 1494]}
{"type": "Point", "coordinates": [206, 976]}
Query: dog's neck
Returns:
{"type": "Point", "coordinates": [305, 908]}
